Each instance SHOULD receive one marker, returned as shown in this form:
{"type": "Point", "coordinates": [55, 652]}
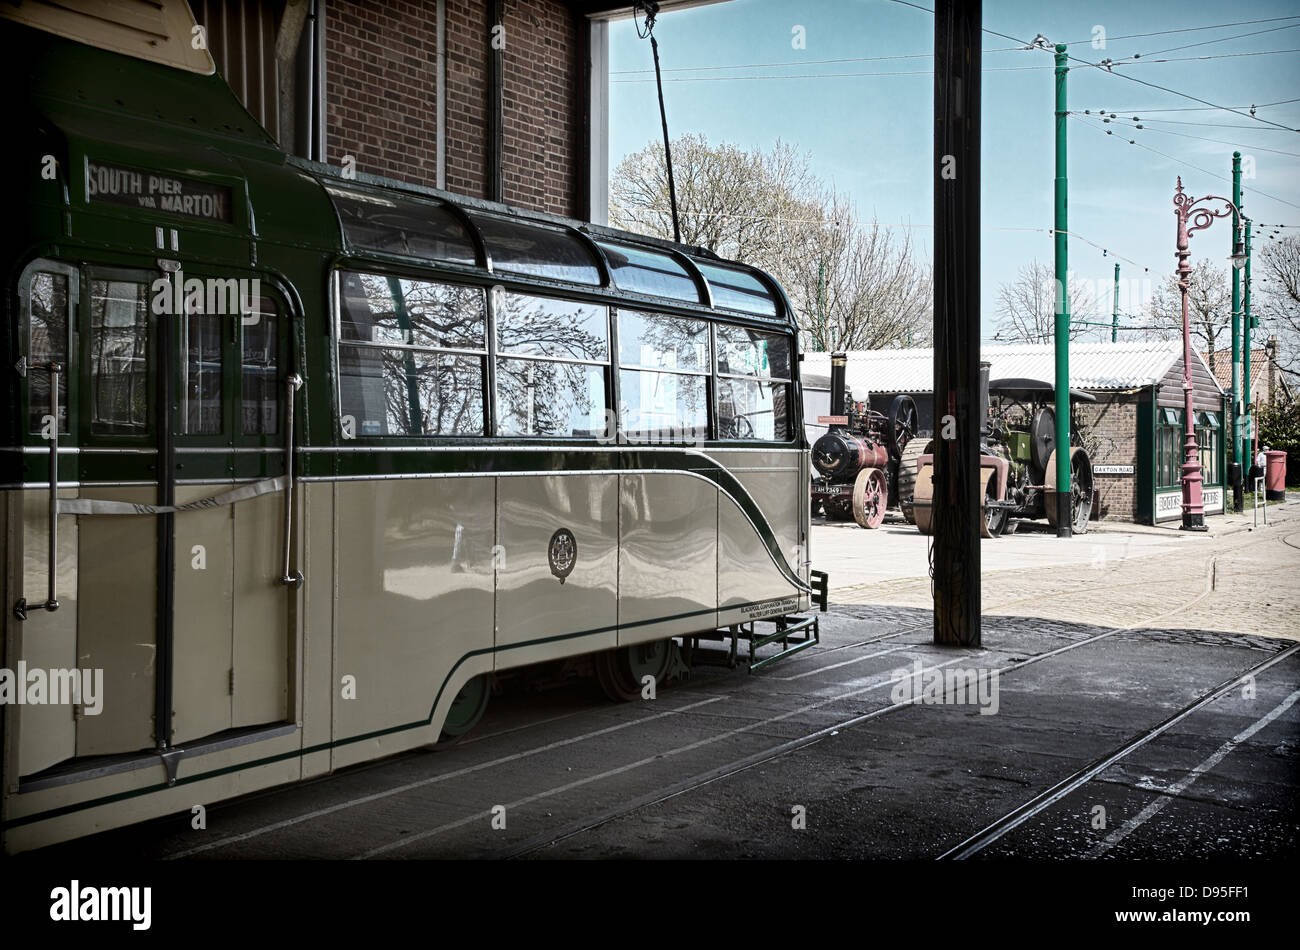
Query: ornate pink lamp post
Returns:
{"type": "Point", "coordinates": [1184, 208]}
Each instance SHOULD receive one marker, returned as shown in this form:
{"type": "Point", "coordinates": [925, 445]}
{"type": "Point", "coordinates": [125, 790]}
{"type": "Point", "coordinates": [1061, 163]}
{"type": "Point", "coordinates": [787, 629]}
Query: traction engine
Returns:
{"type": "Point", "coordinates": [857, 460]}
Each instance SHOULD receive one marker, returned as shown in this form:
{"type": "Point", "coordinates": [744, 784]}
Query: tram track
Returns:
{"type": "Point", "coordinates": [1044, 800]}
{"type": "Point", "coordinates": [755, 759]}
{"type": "Point", "coordinates": [591, 822]}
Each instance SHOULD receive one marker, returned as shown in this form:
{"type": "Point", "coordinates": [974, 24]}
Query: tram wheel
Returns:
{"type": "Point", "coordinates": [467, 708]}
{"type": "Point", "coordinates": [620, 672]}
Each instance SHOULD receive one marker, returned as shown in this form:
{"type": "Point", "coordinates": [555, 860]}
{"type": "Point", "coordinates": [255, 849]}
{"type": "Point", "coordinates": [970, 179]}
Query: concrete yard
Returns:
{"type": "Point", "coordinates": [1088, 644]}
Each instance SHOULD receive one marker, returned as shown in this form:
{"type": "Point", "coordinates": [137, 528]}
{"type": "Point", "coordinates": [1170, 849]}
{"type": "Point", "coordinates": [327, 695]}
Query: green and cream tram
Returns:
{"type": "Point", "coordinates": [293, 464]}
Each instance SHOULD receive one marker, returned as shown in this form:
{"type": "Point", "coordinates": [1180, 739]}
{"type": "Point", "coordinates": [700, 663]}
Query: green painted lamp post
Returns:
{"type": "Point", "coordinates": [1062, 500]}
{"type": "Point", "coordinates": [1236, 335]}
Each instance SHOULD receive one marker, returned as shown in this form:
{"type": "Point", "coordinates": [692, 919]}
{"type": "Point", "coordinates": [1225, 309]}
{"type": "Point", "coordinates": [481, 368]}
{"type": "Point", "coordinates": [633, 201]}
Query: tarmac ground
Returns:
{"type": "Point", "coordinates": [1136, 694]}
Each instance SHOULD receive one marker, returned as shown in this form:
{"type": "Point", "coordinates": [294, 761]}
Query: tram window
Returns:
{"type": "Point", "coordinates": [521, 248]}
{"type": "Point", "coordinates": [745, 352]}
{"type": "Point", "coordinates": [47, 342]}
{"type": "Point", "coordinates": [119, 357]}
{"type": "Point", "coordinates": [543, 326]}
{"type": "Point", "coordinates": [403, 226]}
{"type": "Point", "coordinates": [753, 409]}
{"type": "Point", "coordinates": [649, 272]}
{"type": "Point", "coordinates": [738, 290]}
{"type": "Point", "coordinates": [411, 392]}
{"type": "Point", "coordinates": [201, 385]}
{"type": "Point", "coordinates": [260, 393]}
{"type": "Point", "coordinates": [395, 311]}
{"type": "Point", "coordinates": [398, 374]}
{"type": "Point", "coordinates": [664, 364]}
{"type": "Point", "coordinates": [655, 341]}
{"type": "Point", "coordinates": [753, 384]}
{"type": "Point", "coordinates": [550, 398]}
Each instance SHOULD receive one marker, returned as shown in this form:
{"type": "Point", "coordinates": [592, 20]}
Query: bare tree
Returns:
{"type": "Point", "coordinates": [1276, 300]}
{"type": "Point", "coordinates": [1027, 306]}
{"type": "Point", "coordinates": [1209, 311]}
{"type": "Point", "coordinates": [851, 286]}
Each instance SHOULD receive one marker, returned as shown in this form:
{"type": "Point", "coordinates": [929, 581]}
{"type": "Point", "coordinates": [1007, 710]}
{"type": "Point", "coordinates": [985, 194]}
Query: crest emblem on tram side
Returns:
{"type": "Point", "coordinates": [562, 552]}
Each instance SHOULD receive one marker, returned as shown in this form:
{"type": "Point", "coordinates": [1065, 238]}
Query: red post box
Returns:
{"type": "Point", "coordinates": [1275, 475]}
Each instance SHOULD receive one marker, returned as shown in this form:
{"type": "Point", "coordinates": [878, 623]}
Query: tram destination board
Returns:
{"type": "Point", "coordinates": [140, 188]}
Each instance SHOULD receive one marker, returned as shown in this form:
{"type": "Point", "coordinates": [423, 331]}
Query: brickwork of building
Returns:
{"type": "Point", "coordinates": [1110, 430]}
{"type": "Point", "coordinates": [382, 88]}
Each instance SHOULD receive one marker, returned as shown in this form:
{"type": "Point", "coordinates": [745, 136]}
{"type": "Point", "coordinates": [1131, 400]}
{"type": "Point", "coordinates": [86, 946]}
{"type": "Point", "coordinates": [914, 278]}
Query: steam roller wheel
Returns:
{"type": "Point", "coordinates": [1080, 490]}
{"type": "Point", "coordinates": [870, 496]}
{"type": "Point", "coordinates": [921, 498]}
{"type": "Point", "coordinates": [907, 475]}
{"type": "Point", "coordinates": [994, 520]}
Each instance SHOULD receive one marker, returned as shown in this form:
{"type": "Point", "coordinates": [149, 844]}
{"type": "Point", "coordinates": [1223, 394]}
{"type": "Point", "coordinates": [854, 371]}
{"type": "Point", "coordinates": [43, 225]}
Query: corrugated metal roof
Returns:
{"type": "Point", "coordinates": [1102, 366]}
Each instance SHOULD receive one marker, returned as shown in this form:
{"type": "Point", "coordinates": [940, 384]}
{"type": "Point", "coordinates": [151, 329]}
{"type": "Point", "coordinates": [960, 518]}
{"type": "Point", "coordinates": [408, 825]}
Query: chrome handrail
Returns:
{"type": "Point", "coordinates": [52, 599]}
{"type": "Point", "coordinates": [292, 384]}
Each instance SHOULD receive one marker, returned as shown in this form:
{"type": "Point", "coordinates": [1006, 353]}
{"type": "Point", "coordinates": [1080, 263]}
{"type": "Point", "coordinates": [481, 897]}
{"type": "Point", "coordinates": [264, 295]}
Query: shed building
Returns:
{"type": "Point", "coordinates": [1134, 432]}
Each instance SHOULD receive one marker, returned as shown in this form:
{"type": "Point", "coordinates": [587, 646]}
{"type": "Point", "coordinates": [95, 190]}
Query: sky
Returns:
{"type": "Point", "coordinates": [866, 122]}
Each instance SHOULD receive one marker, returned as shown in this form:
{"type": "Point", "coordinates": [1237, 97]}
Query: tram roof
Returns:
{"type": "Point", "coordinates": [420, 224]}
{"type": "Point", "coordinates": [192, 130]}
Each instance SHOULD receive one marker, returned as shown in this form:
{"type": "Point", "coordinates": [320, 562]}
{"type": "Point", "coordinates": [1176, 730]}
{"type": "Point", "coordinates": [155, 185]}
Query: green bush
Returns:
{"type": "Point", "coordinates": [1279, 428]}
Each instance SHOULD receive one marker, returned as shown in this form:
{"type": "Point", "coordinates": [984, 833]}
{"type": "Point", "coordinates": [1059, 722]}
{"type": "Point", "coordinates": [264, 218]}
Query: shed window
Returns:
{"type": "Point", "coordinates": [1169, 449]}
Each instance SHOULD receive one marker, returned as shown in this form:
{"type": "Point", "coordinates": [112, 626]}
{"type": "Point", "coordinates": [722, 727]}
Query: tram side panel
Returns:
{"type": "Point", "coordinates": [414, 608]}
{"type": "Point", "coordinates": [557, 567]}
{"type": "Point", "coordinates": [749, 584]}
{"type": "Point", "coordinates": [47, 734]}
{"type": "Point", "coordinates": [668, 556]}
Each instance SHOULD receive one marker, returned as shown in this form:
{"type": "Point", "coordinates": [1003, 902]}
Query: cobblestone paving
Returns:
{"type": "Point", "coordinates": [1239, 581]}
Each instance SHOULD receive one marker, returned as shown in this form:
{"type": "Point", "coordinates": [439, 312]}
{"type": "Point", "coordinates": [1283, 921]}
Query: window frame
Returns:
{"type": "Point", "coordinates": [719, 376]}
{"type": "Point", "coordinates": [618, 367]}
{"type": "Point", "coordinates": [607, 367]}
{"type": "Point", "coordinates": [484, 356]}
{"type": "Point", "coordinates": [72, 348]}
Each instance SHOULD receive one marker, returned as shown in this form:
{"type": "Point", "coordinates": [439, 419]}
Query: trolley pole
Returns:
{"type": "Point", "coordinates": [957, 490]}
{"type": "Point", "coordinates": [1236, 339]}
{"type": "Point", "coordinates": [1063, 525]}
{"type": "Point", "coordinates": [1114, 313]}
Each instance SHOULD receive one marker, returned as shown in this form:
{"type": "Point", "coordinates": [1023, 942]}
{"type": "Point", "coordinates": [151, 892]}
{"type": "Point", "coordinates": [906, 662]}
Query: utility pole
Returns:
{"type": "Point", "coordinates": [1114, 314]}
{"type": "Point", "coordinates": [1236, 338]}
{"type": "Point", "coordinates": [957, 494]}
{"type": "Point", "coordinates": [1062, 309]}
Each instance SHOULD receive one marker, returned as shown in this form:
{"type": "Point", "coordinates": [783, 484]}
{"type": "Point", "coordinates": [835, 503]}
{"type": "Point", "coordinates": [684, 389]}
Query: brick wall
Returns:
{"type": "Point", "coordinates": [381, 96]}
{"type": "Point", "coordinates": [1110, 425]}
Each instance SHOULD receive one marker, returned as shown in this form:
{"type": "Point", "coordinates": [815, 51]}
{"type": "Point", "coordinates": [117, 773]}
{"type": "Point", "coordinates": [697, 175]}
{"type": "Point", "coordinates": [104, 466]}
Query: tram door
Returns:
{"type": "Point", "coordinates": [155, 410]}
{"type": "Point", "coordinates": [231, 645]}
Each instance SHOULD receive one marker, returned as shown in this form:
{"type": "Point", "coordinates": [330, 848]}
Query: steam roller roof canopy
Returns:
{"type": "Point", "coordinates": [1021, 388]}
